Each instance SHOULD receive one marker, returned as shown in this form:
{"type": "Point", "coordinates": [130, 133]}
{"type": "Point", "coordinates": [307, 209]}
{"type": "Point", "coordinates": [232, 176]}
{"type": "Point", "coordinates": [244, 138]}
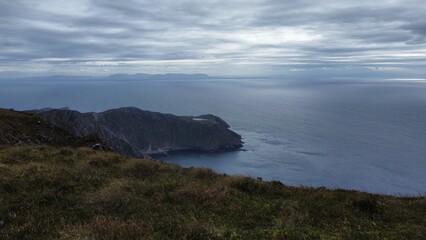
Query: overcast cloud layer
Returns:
{"type": "Point", "coordinates": [232, 37]}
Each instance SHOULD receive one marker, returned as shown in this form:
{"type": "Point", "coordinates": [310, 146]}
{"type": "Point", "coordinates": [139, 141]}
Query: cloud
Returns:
{"type": "Point", "coordinates": [418, 28]}
{"type": "Point", "coordinates": [260, 37]}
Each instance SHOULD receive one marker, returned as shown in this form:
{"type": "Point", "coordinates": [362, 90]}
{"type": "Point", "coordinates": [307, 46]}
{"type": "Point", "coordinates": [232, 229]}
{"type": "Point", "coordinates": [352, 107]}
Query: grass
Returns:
{"type": "Point", "coordinates": [51, 192]}
{"type": "Point", "coordinates": [23, 128]}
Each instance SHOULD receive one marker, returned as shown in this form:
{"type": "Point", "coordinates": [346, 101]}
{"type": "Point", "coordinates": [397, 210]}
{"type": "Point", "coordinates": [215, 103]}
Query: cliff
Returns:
{"type": "Point", "coordinates": [53, 191]}
{"type": "Point", "coordinates": [134, 132]}
{"type": "Point", "coordinates": [22, 128]}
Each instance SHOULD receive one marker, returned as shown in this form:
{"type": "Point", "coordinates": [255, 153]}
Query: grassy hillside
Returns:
{"type": "Point", "coordinates": [77, 193]}
{"type": "Point", "coordinates": [22, 128]}
{"type": "Point", "coordinates": [48, 191]}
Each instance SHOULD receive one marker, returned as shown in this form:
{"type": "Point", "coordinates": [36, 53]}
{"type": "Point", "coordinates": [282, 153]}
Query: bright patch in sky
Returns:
{"type": "Point", "coordinates": [252, 37]}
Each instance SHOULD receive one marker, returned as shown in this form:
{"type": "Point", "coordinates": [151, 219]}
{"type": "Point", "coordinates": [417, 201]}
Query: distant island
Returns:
{"type": "Point", "coordinates": [120, 77]}
{"type": "Point", "coordinates": [166, 76]}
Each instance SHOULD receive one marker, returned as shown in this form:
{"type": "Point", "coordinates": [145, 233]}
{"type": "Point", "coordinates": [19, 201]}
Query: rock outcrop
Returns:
{"type": "Point", "coordinates": [131, 131]}
{"type": "Point", "coordinates": [23, 128]}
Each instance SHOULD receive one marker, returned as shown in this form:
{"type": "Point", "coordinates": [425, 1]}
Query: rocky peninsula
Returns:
{"type": "Point", "coordinates": [52, 187]}
{"type": "Point", "coordinates": [134, 132]}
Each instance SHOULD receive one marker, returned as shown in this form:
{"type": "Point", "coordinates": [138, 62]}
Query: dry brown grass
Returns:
{"type": "Point", "coordinates": [106, 227]}
{"type": "Point", "coordinates": [78, 193]}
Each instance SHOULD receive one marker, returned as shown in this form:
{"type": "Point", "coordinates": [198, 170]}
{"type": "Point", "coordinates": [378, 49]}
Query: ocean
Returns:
{"type": "Point", "coordinates": [352, 134]}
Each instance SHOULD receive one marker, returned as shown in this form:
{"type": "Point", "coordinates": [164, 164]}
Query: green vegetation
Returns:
{"type": "Point", "coordinates": [48, 192]}
{"type": "Point", "coordinates": [57, 192]}
{"type": "Point", "coordinates": [23, 128]}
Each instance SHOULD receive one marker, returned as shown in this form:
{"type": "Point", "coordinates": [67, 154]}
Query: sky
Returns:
{"type": "Point", "coordinates": [222, 38]}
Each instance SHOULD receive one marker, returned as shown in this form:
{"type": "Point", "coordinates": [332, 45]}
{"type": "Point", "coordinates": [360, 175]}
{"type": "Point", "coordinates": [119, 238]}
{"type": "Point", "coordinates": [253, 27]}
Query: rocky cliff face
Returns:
{"type": "Point", "coordinates": [131, 131]}
{"type": "Point", "coordinates": [22, 128]}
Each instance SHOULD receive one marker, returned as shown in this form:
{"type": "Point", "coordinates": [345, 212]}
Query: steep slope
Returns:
{"type": "Point", "coordinates": [22, 128]}
{"type": "Point", "coordinates": [77, 193]}
{"type": "Point", "coordinates": [131, 131]}
{"type": "Point", "coordinates": [53, 192]}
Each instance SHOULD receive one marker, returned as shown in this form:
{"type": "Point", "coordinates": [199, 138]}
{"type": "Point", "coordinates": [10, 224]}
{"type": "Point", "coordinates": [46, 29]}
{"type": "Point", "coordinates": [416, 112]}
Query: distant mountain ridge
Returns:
{"type": "Point", "coordinates": [121, 77]}
{"type": "Point", "coordinates": [134, 132]}
{"type": "Point", "coordinates": [166, 76]}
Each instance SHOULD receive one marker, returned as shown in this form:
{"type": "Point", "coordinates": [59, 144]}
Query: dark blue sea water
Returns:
{"type": "Point", "coordinates": [364, 135]}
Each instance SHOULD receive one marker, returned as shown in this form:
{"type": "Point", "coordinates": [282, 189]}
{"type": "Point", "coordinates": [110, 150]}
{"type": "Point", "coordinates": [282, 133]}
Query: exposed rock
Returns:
{"type": "Point", "coordinates": [131, 131]}
{"type": "Point", "coordinates": [100, 147]}
{"type": "Point", "coordinates": [23, 128]}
